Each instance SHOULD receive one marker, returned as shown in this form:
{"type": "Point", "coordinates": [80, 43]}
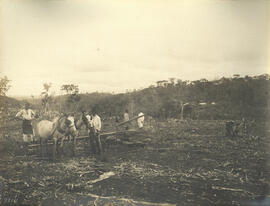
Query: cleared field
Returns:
{"type": "Point", "coordinates": [184, 163]}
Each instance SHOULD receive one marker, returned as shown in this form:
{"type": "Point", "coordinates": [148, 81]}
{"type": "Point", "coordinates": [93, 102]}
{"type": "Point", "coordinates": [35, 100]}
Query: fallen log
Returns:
{"type": "Point", "coordinates": [36, 145]}
{"type": "Point", "coordinates": [133, 144]}
{"type": "Point", "coordinates": [104, 176]}
{"type": "Point", "coordinates": [82, 137]}
{"type": "Point", "coordinates": [117, 133]}
{"type": "Point", "coordinates": [83, 173]}
{"type": "Point", "coordinates": [231, 189]}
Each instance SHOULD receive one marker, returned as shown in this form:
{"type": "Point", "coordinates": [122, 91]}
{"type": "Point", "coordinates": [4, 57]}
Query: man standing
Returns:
{"type": "Point", "coordinates": [26, 115]}
{"type": "Point", "coordinates": [94, 133]}
{"type": "Point", "coordinates": [140, 120]}
{"type": "Point", "coordinates": [126, 118]}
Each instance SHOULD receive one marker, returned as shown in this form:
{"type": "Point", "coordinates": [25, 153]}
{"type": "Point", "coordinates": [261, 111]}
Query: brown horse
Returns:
{"type": "Point", "coordinates": [81, 120]}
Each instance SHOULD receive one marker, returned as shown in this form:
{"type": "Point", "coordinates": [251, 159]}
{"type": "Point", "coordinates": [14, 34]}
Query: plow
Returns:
{"type": "Point", "coordinates": [119, 135]}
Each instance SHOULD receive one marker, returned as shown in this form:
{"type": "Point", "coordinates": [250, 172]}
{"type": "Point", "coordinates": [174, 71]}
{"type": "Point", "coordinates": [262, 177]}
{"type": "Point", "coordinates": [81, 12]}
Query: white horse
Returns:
{"type": "Point", "coordinates": [56, 130]}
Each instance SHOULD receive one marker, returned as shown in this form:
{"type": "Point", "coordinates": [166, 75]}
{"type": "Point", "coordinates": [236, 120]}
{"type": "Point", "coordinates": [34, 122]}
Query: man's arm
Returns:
{"type": "Point", "coordinates": [18, 114]}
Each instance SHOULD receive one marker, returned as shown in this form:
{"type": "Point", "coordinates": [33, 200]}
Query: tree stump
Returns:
{"type": "Point", "coordinates": [229, 129]}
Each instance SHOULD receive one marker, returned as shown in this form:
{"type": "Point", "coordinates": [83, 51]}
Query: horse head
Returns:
{"type": "Point", "coordinates": [81, 120]}
{"type": "Point", "coordinates": [70, 123]}
{"type": "Point", "coordinates": [66, 125]}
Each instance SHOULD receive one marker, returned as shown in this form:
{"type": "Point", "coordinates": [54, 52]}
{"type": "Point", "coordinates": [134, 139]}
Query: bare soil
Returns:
{"type": "Point", "coordinates": [172, 162]}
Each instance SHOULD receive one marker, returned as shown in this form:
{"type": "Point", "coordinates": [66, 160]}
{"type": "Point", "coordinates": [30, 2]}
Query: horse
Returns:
{"type": "Point", "coordinates": [81, 120]}
{"type": "Point", "coordinates": [57, 130]}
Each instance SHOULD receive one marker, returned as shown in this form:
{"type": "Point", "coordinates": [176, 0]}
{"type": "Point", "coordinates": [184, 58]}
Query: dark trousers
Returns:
{"type": "Point", "coordinates": [27, 127]}
{"type": "Point", "coordinates": [95, 142]}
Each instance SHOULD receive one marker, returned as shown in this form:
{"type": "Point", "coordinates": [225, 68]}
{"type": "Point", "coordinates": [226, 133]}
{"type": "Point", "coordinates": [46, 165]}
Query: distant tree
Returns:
{"type": "Point", "coordinates": [172, 81]}
{"type": "Point", "coordinates": [236, 76]}
{"type": "Point", "coordinates": [161, 83]}
{"type": "Point", "coordinates": [73, 95]}
{"type": "Point", "coordinates": [4, 85]}
{"type": "Point", "coordinates": [70, 88]}
{"type": "Point", "coordinates": [46, 97]}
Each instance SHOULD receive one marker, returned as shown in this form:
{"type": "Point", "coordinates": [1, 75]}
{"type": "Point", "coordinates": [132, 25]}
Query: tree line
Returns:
{"type": "Point", "coordinates": [225, 98]}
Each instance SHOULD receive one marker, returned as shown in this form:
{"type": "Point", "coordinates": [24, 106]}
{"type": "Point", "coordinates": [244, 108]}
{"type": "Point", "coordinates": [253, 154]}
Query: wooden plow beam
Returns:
{"type": "Point", "coordinates": [132, 119]}
{"type": "Point", "coordinates": [106, 134]}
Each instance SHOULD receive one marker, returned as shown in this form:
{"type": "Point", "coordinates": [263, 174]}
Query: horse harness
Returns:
{"type": "Point", "coordinates": [57, 125]}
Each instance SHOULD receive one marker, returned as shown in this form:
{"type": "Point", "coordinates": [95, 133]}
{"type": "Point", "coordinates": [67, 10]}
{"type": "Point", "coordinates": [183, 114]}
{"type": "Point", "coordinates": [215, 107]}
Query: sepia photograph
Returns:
{"type": "Point", "coordinates": [134, 103]}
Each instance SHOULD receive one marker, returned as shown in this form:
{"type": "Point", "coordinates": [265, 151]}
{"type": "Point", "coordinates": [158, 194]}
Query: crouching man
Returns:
{"type": "Point", "coordinates": [94, 132]}
{"type": "Point", "coordinates": [26, 115]}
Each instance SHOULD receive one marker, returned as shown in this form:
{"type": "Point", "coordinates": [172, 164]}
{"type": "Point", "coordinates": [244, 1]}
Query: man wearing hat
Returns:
{"type": "Point", "coordinates": [26, 114]}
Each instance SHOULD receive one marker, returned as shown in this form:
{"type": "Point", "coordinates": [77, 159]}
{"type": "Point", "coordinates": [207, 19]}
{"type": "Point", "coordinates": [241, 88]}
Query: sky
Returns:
{"type": "Point", "coordinates": [119, 45]}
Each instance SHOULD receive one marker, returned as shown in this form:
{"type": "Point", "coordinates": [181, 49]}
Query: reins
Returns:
{"type": "Point", "coordinates": [57, 123]}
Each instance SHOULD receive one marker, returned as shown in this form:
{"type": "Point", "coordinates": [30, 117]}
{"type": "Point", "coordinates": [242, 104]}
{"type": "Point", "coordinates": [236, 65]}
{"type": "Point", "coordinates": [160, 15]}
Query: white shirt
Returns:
{"type": "Point", "coordinates": [140, 120]}
{"type": "Point", "coordinates": [126, 116]}
{"type": "Point", "coordinates": [26, 114]}
{"type": "Point", "coordinates": [96, 122]}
